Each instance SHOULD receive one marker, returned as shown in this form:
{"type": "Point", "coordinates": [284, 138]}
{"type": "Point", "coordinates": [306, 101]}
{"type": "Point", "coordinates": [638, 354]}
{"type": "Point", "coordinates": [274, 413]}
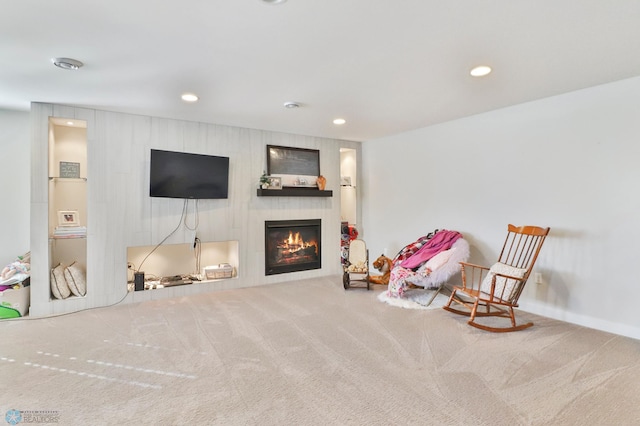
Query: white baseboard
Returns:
{"type": "Point", "coordinates": [583, 320]}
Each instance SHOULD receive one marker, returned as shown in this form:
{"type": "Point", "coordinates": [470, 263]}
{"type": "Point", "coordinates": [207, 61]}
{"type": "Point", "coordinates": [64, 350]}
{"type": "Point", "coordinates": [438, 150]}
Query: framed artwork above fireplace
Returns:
{"type": "Point", "coordinates": [297, 167]}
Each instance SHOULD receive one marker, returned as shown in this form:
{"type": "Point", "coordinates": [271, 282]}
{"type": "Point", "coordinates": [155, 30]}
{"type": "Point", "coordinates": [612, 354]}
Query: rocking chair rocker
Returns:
{"type": "Point", "coordinates": [497, 289]}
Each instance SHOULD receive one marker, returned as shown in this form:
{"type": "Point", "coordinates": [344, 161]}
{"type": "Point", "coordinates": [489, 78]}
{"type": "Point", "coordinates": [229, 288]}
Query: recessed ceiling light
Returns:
{"type": "Point", "coordinates": [189, 97]}
{"type": "Point", "coordinates": [480, 71]}
{"type": "Point", "coordinates": [70, 123]}
{"type": "Point", "coordinates": [291, 105]}
{"type": "Point", "coordinates": [339, 121]}
{"type": "Point", "coordinates": [274, 1]}
{"type": "Point", "coordinates": [67, 63]}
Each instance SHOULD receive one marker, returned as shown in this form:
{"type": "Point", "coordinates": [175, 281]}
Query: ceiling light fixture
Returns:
{"type": "Point", "coordinates": [67, 63]}
{"type": "Point", "coordinates": [291, 105]}
{"type": "Point", "coordinates": [339, 121]}
{"type": "Point", "coordinates": [189, 97]}
{"type": "Point", "coordinates": [274, 1]}
{"type": "Point", "coordinates": [480, 71]}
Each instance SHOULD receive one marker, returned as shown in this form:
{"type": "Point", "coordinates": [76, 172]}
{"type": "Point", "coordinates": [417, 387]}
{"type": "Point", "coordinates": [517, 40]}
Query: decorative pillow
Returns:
{"type": "Point", "coordinates": [59, 287]}
{"type": "Point", "coordinates": [76, 280]}
{"type": "Point", "coordinates": [508, 284]}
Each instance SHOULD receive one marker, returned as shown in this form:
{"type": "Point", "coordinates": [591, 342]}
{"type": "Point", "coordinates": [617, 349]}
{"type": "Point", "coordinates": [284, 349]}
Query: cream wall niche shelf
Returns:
{"type": "Point", "coordinates": [180, 259]}
{"type": "Point", "coordinates": [54, 237]}
{"type": "Point", "coordinates": [63, 179]}
{"type": "Point", "coordinates": [67, 173]}
{"type": "Point", "coordinates": [294, 192]}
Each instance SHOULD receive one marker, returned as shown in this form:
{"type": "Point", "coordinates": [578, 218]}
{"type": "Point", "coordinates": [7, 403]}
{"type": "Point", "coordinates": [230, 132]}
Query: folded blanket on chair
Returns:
{"type": "Point", "coordinates": [441, 241]}
{"type": "Point", "coordinates": [408, 250]}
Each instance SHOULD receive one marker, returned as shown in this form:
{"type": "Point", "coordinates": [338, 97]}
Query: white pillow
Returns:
{"type": "Point", "coordinates": [508, 284]}
{"type": "Point", "coordinates": [59, 287]}
{"type": "Point", "coordinates": [76, 280]}
{"type": "Point", "coordinates": [439, 259]}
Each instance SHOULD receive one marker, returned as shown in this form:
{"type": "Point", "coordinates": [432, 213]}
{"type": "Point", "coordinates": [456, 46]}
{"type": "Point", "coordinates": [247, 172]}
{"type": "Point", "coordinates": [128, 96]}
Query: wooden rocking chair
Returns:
{"type": "Point", "coordinates": [497, 289]}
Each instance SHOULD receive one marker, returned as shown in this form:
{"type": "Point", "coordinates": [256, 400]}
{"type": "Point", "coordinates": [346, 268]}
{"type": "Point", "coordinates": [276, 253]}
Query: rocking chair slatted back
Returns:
{"type": "Point", "coordinates": [498, 290]}
{"type": "Point", "coordinates": [520, 250]}
{"type": "Point", "coordinates": [522, 245]}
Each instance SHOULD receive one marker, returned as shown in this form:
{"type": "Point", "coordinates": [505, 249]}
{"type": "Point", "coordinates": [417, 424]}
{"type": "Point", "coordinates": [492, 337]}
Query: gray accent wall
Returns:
{"type": "Point", "coordinates": [121, 214]}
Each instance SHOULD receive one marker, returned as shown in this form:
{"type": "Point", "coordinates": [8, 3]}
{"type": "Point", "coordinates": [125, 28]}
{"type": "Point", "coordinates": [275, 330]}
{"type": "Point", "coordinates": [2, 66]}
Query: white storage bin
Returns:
{"type": "Point", "coordinates": [12, 300]}
{"type": "Point", "coordinates": [223, 270]}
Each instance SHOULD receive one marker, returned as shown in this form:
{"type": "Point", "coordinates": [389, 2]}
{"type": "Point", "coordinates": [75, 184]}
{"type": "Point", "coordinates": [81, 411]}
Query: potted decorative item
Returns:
{"type": "Point", "coordinates": [264, 180]}
{"type": "Point", "coordinates": [321, 181]}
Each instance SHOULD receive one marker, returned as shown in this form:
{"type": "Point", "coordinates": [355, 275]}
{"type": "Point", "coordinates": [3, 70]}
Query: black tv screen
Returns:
{"type": "Point", "coordinates": [186, 175]}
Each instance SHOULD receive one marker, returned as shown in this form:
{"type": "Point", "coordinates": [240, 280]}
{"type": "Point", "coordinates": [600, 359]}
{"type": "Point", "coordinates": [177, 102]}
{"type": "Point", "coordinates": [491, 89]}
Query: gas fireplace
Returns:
{"type": "Point", "coordinates": [292, 245]}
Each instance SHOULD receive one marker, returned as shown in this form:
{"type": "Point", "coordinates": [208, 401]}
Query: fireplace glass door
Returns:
{"type": "Point", "coordinates": [292, 245]}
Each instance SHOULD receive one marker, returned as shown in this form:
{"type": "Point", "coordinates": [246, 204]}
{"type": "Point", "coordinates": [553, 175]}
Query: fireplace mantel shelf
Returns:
{"type": "Point", "coordinates": [294, 192]}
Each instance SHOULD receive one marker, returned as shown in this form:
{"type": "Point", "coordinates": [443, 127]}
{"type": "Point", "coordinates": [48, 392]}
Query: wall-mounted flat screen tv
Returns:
{"type": "Point", "coordinates": [186, 175]}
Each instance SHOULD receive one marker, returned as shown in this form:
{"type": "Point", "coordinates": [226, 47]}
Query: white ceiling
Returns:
{"type": "Point", "coordinates": [385, 66]}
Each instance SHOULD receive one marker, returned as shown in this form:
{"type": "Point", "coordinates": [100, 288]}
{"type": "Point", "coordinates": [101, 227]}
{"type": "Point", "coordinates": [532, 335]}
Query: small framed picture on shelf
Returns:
{"type": "Point", "coordinates": [275, 182]}
{"type": "Point", "coordinates": [69, 169]}
{"type": "Point", "coordinates": [68, 218]}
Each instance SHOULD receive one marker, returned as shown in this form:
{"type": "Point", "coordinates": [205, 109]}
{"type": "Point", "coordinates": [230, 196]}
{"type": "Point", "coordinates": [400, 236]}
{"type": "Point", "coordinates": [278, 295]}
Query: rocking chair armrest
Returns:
{"type": "Point", "coordinates": [472, 275]}
{"type": "Point", "coordinates": [473, 265]}
{"type": "Point", "coordinates": [514, 292]}
{"type": "Point", "coordinates": [511, 277]}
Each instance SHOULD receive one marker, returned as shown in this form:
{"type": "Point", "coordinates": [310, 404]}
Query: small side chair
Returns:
{"type": "Point", "coordinates": [357, 266]}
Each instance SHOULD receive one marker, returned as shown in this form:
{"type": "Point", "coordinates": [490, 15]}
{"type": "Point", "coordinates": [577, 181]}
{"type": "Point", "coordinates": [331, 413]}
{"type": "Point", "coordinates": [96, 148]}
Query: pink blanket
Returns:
{"type": "Point", "coordinates": [443, 240]}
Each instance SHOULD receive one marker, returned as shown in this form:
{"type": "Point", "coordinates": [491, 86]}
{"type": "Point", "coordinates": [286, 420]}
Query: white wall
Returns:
{"type": "Point", "coordinates": [569, 162]}
{"type": "Point", "coordinates": [120, 213]}
{"type": "Point", "coordinates": [15, 168]}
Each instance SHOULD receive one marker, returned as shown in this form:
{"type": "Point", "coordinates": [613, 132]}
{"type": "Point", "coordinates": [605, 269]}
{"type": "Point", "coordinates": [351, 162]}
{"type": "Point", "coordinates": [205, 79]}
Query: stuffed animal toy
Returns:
{"type": "Point", "coordinates": [13, 268]}
{"type": "Point", "coordinates": [382, 264]}
{"type": "Point", "coordinates": [21, 265]}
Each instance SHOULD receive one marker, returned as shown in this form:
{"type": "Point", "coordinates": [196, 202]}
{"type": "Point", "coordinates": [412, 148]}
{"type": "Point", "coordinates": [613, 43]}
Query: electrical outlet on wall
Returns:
{"type": "Point", "coordinates": [537, 277]}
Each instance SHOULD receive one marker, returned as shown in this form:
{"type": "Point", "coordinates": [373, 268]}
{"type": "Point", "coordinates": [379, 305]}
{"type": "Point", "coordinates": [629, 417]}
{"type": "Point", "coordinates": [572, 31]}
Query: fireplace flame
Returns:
{"type": "Point", "coordinates": [294, 243]}
{"type": "Point", "coordinates": [297, 240]}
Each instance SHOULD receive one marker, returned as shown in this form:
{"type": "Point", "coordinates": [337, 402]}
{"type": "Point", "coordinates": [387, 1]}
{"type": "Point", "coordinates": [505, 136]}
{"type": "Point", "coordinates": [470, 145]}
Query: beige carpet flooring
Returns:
{"type": "Point", "coordinates": [310, 353]}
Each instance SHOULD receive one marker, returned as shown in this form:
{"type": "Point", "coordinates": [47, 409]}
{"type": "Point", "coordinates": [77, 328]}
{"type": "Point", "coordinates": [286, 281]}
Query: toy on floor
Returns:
{"type": "Point", "coordinates": [383, 265]}
{"type": "Point", "coordinates": [21, 265]}
{"type": "Point", "coordinates": [15, 288]}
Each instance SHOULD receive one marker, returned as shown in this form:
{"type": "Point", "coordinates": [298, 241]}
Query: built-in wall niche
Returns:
{"type": "Point", "coordinates": [170, 260]}
{"type": "Point", "coordinates": [67, 215]}
{"type": "Point", "coordinates": [348, 185]}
